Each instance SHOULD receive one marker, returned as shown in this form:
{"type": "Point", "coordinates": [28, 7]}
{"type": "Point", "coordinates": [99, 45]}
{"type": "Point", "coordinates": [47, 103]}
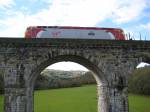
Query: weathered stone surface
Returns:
{"type": "Point", "coordinates": [111, 62]}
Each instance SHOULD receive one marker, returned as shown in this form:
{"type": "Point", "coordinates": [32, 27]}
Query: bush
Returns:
{"type": "Point", "coordinates": [139, 81]}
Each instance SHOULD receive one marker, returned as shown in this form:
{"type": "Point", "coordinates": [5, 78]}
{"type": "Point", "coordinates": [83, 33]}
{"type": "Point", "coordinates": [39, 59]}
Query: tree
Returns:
{"type": "Point", "coordinates": [139, 81]}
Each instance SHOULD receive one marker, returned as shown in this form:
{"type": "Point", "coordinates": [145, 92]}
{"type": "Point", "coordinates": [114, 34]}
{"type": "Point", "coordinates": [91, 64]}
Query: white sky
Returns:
{"type": "Point", "coordinates": [67, 66]}
{"type": "Point", "coordinates": [131, 15]}
{"type": "Point", "coordinates": [142, 64]}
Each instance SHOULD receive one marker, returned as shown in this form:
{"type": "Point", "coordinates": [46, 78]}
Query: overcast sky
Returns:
{"type": "Point", "coordinates": [131, 15]}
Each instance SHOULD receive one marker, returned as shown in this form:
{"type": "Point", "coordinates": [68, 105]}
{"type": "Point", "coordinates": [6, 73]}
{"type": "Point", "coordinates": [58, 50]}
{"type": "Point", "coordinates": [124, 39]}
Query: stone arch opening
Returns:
{"type": "Point", "coordinates": [97, 73]}
{"type": "Point", "coordinates": [102, 89]}
{"type": "Point", "coordinates": [144, 59]}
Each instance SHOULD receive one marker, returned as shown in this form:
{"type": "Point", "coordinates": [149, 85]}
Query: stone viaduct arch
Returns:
{"type": "Point", "coordinates": [111, 61]}
{"type": "Point", "coordinates": [98, 74]}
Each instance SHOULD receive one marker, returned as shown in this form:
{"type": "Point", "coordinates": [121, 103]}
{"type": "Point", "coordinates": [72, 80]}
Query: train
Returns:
{"type": "Point", "coordinates": [71, 32]}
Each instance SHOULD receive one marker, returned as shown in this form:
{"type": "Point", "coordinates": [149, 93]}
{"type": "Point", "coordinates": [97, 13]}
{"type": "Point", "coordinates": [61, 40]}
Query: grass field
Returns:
{"type": "Point", "coordinates": [138, 103]}
{"type": "Point", "coordinates": [1, 103]}
{"type": "Point", "coordinates": [79, 99]}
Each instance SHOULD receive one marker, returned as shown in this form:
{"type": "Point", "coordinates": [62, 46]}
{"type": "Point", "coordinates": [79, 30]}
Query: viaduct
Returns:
{"type": "Point", "coordinates": [111, 62]}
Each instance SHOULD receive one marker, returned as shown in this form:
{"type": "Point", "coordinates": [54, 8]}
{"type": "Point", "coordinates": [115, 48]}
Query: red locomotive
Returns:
{"type": "Point", "coordinates": [74, 32]}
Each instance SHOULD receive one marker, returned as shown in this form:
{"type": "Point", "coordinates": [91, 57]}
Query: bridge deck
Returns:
{"type": "Point", "coordinates": [46, 42]}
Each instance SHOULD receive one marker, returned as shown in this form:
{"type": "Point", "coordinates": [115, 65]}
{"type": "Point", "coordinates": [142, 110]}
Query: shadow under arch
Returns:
{"type": "Point", "coordinates": [102, 83]}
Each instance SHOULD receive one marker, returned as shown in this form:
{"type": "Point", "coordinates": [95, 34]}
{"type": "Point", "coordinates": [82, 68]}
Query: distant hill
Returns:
{"type": "Point", "coordinates": [59, 79]}
{"type": "Point", "coordinates": [62, 74]}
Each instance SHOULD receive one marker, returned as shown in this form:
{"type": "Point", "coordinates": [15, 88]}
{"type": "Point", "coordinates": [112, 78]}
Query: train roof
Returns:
{"type": "Point", "coordinates": [77, 27]}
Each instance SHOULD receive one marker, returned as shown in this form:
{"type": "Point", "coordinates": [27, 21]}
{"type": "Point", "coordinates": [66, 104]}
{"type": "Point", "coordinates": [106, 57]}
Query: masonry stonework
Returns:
{"type": "Point", "coordinates": [110, 61]}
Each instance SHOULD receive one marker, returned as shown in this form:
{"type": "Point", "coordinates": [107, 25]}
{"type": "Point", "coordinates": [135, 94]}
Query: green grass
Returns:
{"type": "Point", "coordinates": [139, 103]}
{"type": "Point", "coordinates": [79, 99]}
{"type": "Point", "coordinates": [1, 103]}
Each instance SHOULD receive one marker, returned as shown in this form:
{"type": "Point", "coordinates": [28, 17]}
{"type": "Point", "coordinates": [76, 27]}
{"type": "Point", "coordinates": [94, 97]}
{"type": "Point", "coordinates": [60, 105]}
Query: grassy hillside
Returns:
{"type": "Point", "coordinates": [50, 79]}
{"type": "Point", "coordinates": [79, 99]}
